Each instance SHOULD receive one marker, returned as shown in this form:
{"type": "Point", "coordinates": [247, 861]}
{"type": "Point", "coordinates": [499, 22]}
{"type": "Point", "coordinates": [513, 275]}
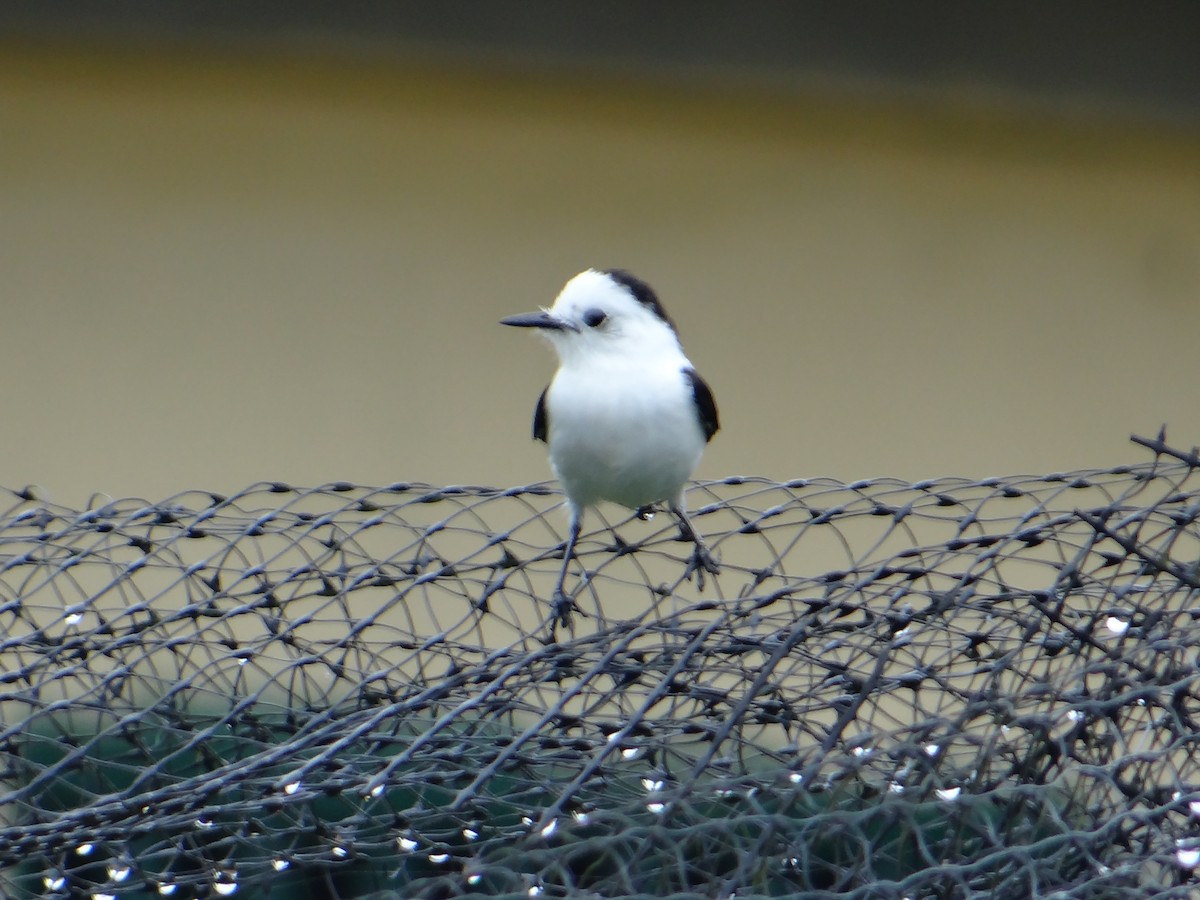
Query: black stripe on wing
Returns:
{"type": "Point", "coordinates": [706, 406]}
{"type": "Point", "coordinates": [541, 421]}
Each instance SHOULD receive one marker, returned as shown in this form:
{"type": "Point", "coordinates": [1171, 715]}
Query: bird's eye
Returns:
{"type": "Point", "coordinates": [594, 317]}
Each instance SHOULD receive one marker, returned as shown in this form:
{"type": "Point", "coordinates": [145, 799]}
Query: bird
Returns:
{"type": "Point", "coordinates": [626, 416]}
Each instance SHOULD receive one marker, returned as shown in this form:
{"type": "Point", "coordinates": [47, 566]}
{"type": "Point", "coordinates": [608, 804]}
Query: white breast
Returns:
{"type": "Point", "coordinates": [627, 434]}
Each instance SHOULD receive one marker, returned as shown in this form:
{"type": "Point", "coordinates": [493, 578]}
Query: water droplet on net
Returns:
{"type": "Point", "coordinates": [1187, 857]}
{"type": "Point", "coordinates": [1116, 625]}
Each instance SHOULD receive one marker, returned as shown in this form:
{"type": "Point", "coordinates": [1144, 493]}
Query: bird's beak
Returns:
{"type": "Point", "coordinates": [540, 319]}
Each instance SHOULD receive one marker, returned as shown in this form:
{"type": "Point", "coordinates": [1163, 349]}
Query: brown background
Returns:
{"type": "Point", "coordinates": [220, 265]}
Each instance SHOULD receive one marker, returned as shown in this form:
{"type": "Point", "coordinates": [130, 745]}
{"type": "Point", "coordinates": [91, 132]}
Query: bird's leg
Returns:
{"type": "Point", "coordinates": [562, 606]}
{"type": "Point", "coordinates": [702, 560]}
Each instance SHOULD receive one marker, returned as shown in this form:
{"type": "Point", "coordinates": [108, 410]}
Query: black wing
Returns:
{"type": "Point", "coordinates": [540, 420]}
{"type": "Point", "coordinates": [706, 406]}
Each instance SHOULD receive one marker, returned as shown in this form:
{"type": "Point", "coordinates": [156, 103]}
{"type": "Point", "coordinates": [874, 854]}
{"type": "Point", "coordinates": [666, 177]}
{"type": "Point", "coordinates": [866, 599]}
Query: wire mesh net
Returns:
{"type": "Point", "coordinates": [951, 688]}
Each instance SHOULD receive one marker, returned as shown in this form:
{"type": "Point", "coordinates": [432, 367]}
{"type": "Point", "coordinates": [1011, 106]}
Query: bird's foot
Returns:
{"type": "Point", "coordinates": [702, 561]}
{"type": "Point", "coordinates": [562, 612]}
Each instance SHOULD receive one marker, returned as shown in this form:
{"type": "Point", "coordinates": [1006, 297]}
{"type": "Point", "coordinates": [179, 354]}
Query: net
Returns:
{"type": "Point", "coordinates": [951, 688]}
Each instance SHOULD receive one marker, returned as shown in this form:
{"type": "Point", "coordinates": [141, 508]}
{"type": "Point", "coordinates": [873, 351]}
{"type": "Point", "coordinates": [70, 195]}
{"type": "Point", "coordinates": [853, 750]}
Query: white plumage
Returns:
{"type": "Point", "coordinates": [626, 417]}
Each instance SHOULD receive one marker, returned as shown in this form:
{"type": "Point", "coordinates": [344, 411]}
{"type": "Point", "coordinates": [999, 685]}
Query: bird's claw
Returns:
{"type": "Point", "coordinates": [702, 561]}
{"type": "Point", "coordinates": [562, 611]}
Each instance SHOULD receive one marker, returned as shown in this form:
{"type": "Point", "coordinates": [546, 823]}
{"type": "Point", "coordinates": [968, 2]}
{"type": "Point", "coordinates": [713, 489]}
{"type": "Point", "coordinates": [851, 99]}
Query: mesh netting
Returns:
{"type": "Point", "coordinates": [944, 689]}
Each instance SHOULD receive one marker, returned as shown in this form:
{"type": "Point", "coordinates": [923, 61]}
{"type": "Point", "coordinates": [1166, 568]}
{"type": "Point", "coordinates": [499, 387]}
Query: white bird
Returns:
{"type": "Point", "coordinates": [626, 417]}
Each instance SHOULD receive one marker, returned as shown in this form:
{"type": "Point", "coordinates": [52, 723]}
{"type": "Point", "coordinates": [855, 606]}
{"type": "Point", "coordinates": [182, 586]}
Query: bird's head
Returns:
{"type": "Point", "coordinates": [604, 313]}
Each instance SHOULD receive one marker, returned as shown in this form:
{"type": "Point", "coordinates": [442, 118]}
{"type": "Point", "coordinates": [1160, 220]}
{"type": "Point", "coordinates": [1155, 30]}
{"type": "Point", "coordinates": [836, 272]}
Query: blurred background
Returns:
{"type": "Point", "coordinates": [268, 240]}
